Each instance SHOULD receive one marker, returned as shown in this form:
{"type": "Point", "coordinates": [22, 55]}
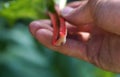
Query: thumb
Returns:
{"type": "Point", "coordinates": [77, 16]}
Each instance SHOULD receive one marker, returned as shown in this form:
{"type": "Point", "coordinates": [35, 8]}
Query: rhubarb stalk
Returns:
{"type": "Point", "coordinates": [58, 22]}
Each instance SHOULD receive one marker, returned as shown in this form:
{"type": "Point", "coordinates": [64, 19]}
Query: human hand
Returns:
{"type": "Point", "coordinates": [88, 38]}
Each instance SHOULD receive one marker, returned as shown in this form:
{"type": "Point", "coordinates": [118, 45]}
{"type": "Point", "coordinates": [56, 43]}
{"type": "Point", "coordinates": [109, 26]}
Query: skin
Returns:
{"type": "Point", "coordinates": [93, 33]}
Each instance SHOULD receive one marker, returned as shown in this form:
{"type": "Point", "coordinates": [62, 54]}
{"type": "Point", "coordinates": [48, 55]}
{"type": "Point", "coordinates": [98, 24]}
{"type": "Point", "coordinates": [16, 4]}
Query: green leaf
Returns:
{"type": "Point", "coordinates": [50, 5]}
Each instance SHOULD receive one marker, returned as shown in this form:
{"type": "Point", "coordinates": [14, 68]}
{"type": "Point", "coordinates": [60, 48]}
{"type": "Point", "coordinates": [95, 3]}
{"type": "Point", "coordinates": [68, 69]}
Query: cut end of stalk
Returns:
{"type": "Point", "coordinates": [61, 40]}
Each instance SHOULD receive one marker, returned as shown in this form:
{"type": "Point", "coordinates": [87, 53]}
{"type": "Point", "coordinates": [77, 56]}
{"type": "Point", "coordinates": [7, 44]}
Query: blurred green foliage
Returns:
{"type": "Point", "coordinates": [22, 56]}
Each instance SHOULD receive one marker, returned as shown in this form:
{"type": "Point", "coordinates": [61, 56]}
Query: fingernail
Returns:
{"type": "Point", "coordinates": [66, 11]}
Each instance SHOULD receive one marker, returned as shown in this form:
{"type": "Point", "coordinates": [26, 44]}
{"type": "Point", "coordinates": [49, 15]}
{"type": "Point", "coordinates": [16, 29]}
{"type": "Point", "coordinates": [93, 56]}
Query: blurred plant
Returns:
{"type": "Point", "coordinates": [14, 10]}
{"type": "Point", "coordinates": [23, 56]}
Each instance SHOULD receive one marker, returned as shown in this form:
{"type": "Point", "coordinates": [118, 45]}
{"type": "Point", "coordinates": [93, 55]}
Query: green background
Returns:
{"type": "Point", "coordinates": [22, 56]}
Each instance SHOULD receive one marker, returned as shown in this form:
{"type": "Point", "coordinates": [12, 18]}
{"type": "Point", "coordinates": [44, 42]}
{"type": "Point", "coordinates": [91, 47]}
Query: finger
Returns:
{"type": "Point", "coordinates": [75, 4]}
{"type": "Point", "coordinates": [80, 28]}
{"type": "Point", "coordinates": [72, 47]}
{"type": "Point", "coordinates": [79, 15]}
{"type": "Point", "coordinates": [39, 24]}
{"type": "Point", "coordinates": [46, 24]}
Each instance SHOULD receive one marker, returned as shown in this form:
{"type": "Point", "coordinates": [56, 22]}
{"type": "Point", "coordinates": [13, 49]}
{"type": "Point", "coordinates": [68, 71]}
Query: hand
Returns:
{"type": "Point", "coordinates": [93, 35]}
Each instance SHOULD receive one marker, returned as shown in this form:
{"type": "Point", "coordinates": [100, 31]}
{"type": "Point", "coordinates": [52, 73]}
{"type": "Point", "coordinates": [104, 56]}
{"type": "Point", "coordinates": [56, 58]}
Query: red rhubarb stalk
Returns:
{"type": "Point", "coordinates": [53, 18]}
{"type": "Point", "coordinates": [59, 29]}
{"type": "Point", "coordinates": [59, 26]}
{"type": "Point", "coordinates": [62, 32]}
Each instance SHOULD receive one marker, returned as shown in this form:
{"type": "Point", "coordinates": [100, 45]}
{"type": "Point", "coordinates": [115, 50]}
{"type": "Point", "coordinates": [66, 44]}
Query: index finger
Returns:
{"type": "Point", "coordinates": [76, 3]}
